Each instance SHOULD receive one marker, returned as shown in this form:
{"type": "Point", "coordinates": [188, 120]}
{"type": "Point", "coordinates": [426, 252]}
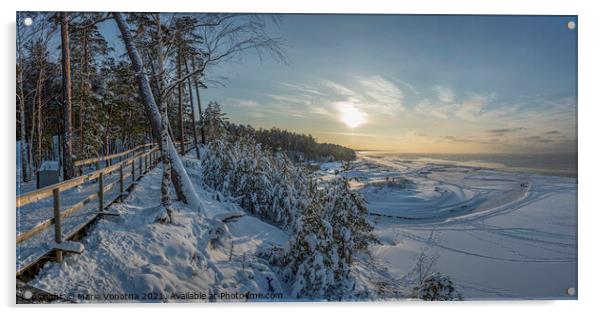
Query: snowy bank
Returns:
{"type": "Point", "coordinates": [132, 258]}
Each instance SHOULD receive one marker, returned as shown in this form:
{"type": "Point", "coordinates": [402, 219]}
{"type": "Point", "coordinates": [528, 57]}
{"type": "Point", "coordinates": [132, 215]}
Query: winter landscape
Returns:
{"type": "Point", "coordinates": [201, 157]}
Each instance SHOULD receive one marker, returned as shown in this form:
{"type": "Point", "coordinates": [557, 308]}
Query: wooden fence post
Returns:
{"type": "Point", "coordinates": [57, 222]}
{"type": "Point", "coordinates": [121, 179]}
{"type": "Point", "coordinates": [140, 166]}
{"type": "Point", "coordinates": [133, 170]}
{"type": "Point", "coordinates": [101, 193]}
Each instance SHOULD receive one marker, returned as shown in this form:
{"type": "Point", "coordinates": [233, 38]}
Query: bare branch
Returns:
{"type": "Point", "coordinates": [91, 24]}
{"type": "Point", "coordinates": [181, 80]}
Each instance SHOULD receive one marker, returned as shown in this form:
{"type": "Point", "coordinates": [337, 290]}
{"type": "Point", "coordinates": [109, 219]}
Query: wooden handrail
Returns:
{"type": "Point", "coordinates": [89, 161]}
{"type": "Point", "coordinates": [45, 192]}
{"type": "Point", "coordinates": [40, 194]}
{"type": "Point", "coordinates": [56, 189]}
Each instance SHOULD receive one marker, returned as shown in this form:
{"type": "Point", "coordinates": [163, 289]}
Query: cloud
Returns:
{"type": "Point", "coordinates": [290, 99]}
{"type": "Point", "coordinates": [256, 114]}
{"type": "Point", "coordinates": [554, 132]}
{"type": "Point", "coordinates": [243, 103]}
{"type": "Point", "coordinates": [425, 107]}
{"type": "Point", "coordinates": [342, 91]}
{"type": "Point", "coordinates": [365, 98]}
{"type": "Point", "coordinates": [504, 131]}
{"type": "Point", "coordinates": [319, 110]}
{"type": "Point", "coordinates": [303, 88]}
{"type": "Point", "coordinates": [472, 108]}
{"type": "Point", "coordinates": [456, 139]}
{"type": "Point", "coordinates": [537, 139]}
{"type": "Point", "coordinates": [445, 94]}
{"type": "Point", "coordinates": [384, 94]}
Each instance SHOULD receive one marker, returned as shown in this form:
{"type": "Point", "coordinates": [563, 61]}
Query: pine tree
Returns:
{"type": "Point", "coordinates": [438, 287]}
{"type": "Point", "coordinates": [68, 170]}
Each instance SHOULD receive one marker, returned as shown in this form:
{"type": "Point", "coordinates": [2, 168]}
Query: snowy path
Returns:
{"type": "Point", "coordinates": [131, 258]}
{"type": "Point", "coordinates": [497, 234]}
{"type": "Point", "coordinates": [32, 214]}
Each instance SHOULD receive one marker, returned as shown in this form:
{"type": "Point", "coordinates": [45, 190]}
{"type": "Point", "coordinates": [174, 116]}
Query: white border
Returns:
{"type": "Point", "coordinates": [589, 27]}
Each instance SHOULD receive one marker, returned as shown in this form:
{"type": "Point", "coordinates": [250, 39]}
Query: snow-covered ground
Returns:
{"type": "Point", "coordinates": [132, 258]}
{"type": "Point", "coordinates": [498, 235]}
{"type": "Point", "coordinates": [32, 214]}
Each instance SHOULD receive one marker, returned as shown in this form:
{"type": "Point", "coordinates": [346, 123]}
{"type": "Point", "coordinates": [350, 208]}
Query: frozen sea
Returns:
{"type": "Point", "coordinates": [500, 227]}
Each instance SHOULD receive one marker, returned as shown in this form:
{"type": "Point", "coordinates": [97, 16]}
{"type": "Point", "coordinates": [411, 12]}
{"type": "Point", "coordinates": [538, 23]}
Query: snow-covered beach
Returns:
{"type": "Point", "coordinates": [497, 234]}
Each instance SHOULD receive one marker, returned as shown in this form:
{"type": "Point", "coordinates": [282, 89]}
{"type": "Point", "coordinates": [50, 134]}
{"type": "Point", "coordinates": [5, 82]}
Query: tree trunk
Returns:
{"type": "Point", "coordinates": [198, 100]}
{"type": "Point", "coordinates": [180, 102]}
{"type": "Point", "coordinates": [165, 182]}
{"type": "Point", "coordinates": [68, 171]}
{"type": "Point", "coordinates": [39, 130]}
{"type": "Point", "coordinates": [82, 105]}
{"type": "Point", "coordinates": [30, 152]}
{"type": "Point", "coordinates": [185, 185]}
{"type": "Point", "coordinates": [25, 170]}
{"type": "Point", "coordinates": [192, 113]}
{"type": "Point", "coordinates": [39, 88]}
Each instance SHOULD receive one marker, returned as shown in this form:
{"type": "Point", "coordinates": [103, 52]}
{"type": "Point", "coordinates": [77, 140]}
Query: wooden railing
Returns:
{"type": "Point", "coordinates": [90, 161]}
{"type": "Point", "coordinates": [140, 163]}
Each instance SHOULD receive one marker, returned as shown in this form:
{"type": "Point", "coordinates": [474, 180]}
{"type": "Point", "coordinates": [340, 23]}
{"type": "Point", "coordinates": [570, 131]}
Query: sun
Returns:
{"type": "Point", "coordinates": [351, 115]}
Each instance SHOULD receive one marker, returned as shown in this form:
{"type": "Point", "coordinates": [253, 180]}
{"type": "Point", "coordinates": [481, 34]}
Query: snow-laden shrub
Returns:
{"type": "Point", "coordinates": [327, 219]}
{"type": "Point", "coordinates": [265, 184]}
{"type": "Point", "coordinates": [438, 287]}
{"type": "Point", "coordinates": [346, 211]}
{"type": "Point", "coordinates": [328, 233]}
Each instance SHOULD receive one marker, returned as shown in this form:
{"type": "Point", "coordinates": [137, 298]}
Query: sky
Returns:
{"type": "Point", "coordinates": [415, 84]}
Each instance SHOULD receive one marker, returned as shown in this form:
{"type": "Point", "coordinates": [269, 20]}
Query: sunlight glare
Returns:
{"type": "Point", "coordinates": [351, 115]}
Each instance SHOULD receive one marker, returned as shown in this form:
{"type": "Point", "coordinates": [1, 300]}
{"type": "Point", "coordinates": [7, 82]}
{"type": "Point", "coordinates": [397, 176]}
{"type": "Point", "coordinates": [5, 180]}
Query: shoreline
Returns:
{"type": "Point", "coordinates": [428, 160]}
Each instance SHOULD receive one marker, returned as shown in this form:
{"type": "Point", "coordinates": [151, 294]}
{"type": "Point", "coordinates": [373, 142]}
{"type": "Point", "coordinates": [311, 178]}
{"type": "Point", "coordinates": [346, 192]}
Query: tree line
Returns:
{"type": "Point", "coordinates": [299, 147]}
{"type": "Point", "coordinates": [71, 82]}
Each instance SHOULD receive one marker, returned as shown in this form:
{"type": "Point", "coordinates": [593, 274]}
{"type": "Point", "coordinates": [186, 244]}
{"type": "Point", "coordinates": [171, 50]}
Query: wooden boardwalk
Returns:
{"type": "Point", "coordinates": [140, 163]}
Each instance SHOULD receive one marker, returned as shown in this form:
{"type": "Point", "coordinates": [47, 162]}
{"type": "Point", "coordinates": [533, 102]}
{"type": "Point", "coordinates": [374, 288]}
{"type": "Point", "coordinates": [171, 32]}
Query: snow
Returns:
{"type": "Point", "coordinates": [131, 254]}
{"type": "Point", "coordinates": [30, 215]}
{"type": "Point", "coordinates": [497, 234]}
{"type": "Point", "coordinates": [69, 246]}
{"type": "Point", "coordinates": [49, 165]}
{"type": "Point", "coordinates": [494, 234]}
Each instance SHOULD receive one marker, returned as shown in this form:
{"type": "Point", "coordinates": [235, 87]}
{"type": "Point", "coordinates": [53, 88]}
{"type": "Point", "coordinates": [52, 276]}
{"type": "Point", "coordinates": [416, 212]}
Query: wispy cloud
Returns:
{"type": "Point", "coordinates": [472, 108]}
{"type": "Point", "coordinates": [384, 94]}
{"type": "Point", "coordinates": [445, 94]}
{"type": "Point", "coordinates": [243, 103]}
{"type": "Point", "coordinates": [341, 91]}
{"type": "Point", "coordinates": [554, 132]}
{"type": "Point", "coordinates": [289, 99]}
{"type": "Point", "coordinates": [302, 88]}
{"type": "Point", "coordinates": [426, 107]}
{"type": "Point", "coordinates": [504, 131]}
